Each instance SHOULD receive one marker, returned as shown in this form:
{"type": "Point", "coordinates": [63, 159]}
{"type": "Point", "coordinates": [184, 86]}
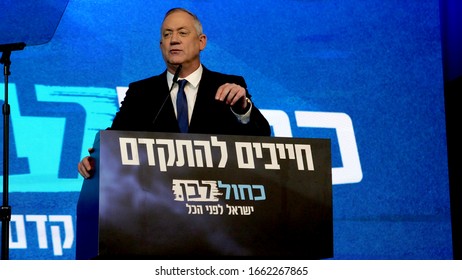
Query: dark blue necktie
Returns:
{"type": "Point", "coordinates": [182, 107]}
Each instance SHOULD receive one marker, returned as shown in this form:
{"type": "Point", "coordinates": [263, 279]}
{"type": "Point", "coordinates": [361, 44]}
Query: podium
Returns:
{"type": "Point", "coordinates": [197, 196]}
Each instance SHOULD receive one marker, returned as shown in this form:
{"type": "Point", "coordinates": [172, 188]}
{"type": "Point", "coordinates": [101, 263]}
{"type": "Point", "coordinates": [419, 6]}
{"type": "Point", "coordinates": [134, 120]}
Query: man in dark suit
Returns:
{"type": "Point", "coordinates": [217, 103]}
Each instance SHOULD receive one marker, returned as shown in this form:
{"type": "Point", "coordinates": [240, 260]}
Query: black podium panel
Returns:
{"type": "Point", "coordinates": [195, 196]}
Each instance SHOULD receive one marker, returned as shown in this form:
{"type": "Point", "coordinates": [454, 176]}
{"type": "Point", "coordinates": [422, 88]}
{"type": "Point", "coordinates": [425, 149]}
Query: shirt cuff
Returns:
{"type": "Point", "coordinates": [245, 118]}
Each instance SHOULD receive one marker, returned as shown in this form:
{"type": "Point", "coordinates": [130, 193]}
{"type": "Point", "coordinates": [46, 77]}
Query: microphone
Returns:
{"type": "Point", "coordinates": [176, 75]}
{"type": "Point", "coordinates": [175, 79]}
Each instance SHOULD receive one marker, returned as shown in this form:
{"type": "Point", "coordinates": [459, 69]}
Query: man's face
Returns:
{"type": "Point", "coordinates": [180, 43]}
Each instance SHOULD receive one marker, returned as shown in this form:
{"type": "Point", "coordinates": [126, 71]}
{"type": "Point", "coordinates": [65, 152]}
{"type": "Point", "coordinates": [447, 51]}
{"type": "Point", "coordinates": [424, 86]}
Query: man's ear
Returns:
{"type": "Point", "coordinates": [202, 41]}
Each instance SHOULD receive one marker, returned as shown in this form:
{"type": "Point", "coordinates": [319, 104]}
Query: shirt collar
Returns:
{"type": "Point", "coordinates": [194, 78]}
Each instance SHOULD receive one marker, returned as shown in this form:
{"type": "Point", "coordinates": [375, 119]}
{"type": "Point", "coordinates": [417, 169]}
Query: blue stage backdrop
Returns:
{"type": "Point", "coordinates": [366, 74]}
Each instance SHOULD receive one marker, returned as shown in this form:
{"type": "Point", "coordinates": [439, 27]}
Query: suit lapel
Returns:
{"type": "Point", "coordinates": [203, 99]}
{"type": "Point", "coordinates": [166, 120]}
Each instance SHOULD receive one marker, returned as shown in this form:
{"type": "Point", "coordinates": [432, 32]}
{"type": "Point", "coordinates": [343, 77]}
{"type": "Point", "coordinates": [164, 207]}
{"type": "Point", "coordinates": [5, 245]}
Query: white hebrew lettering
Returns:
{"type": "Point", "coordinates": [194, 209]}
{"type": "Point", "coordinates": [192, 190]}
{"type": "Point", "coordinates": [272, 150]}
{"type": "Point", "coordinates": [232, 210]}
{"type": "Point", "coordinates": [299, 148]}
{"type": "Point", "coordinates": [163, 162]}
{"type": "Point", "coordinates": [214, 209]}
{"type": "Point", "coordinates": [204, 153]}
{"type": "Point", "coordinates": [181, 147]}
{"type": "Point", "coordinates": [223, 149]}
{"type": "Point", "coordinates": [17, 222]}
{"type": "Point", "coordinates": [41, 222]}
{"type": "Point", "coordinates": [243, 153]}
{"type": "Point", "coordinates": [149, 143]}
{"type": "Point", "coordinates": [127, 144]}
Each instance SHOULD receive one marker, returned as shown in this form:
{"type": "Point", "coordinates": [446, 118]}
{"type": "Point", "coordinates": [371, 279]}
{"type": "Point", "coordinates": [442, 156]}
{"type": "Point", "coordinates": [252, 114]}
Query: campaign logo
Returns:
{"type": "Point", "coordinates": [203, 196]}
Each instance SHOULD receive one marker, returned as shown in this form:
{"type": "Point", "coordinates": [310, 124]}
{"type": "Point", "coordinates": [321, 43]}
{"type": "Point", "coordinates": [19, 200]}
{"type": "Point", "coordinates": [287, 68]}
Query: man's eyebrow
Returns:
{"type": "Point", "coordinates": [181, 27]}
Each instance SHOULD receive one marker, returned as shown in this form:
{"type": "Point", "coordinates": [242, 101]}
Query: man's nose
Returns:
{"type": "Point", "coordinates": [175, 38]}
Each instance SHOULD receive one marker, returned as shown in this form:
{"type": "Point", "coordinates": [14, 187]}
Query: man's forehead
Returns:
{"type": "Point", "coordinates": [175, 27]}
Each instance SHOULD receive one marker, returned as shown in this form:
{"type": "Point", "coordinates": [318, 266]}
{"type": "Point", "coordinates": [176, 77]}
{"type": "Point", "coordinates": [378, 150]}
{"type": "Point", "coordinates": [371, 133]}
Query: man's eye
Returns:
{"type": "Point", "coordinates": [183, 33]}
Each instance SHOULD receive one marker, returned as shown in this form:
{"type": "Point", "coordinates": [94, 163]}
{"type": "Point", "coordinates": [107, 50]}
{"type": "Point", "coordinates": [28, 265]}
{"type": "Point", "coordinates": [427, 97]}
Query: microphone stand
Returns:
{"type": "Point", "coordinates": [5, 210]}
{"type": "Point", "coordinates": [175, 80]}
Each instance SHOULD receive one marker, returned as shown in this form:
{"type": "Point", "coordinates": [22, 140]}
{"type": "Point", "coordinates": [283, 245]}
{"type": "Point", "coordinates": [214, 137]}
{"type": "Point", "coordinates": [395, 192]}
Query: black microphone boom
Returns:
{"type": "Point", "coordinates": [175, 79]}
{"type": "Point", "coordinates": [177, 74]}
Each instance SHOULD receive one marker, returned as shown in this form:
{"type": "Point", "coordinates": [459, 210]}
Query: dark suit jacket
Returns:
{"type": "Point", "coordinates": [144, 99]}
